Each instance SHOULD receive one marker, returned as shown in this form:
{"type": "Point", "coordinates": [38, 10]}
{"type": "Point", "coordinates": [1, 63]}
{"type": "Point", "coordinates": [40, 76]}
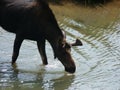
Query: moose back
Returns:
{"type": "Point", "coordinates": [34, 20]}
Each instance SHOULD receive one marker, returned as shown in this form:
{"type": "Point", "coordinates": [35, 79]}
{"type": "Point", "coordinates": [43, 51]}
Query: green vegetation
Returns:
{"type": "Point", "coordinates": [98, 17]}
{"type": "Point", "coordinates": [84, 2]}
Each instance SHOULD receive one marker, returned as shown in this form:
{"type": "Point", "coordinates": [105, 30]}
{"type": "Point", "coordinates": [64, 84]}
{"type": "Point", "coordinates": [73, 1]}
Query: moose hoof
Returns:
{"type": "Point", "coordinates": [13, 63]}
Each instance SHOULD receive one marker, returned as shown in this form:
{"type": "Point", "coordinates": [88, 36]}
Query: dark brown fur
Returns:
{"type": "Point", "coordinates": [34, 20]}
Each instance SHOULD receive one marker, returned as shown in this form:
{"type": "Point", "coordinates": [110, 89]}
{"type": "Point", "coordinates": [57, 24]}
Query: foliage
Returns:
{"type": "Point", "coordinates": [83, 2]}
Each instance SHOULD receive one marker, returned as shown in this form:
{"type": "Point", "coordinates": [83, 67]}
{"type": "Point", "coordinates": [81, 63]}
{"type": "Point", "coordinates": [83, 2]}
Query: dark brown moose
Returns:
{"type": "Point", "coordinates": [34, 20]}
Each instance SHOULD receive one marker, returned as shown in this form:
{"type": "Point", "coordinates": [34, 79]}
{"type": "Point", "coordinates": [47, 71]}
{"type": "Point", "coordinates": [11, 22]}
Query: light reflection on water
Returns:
{"type": "Point", "coordinates": [97, 61]}
{"type": "Point", "coordinates": [99, 57]}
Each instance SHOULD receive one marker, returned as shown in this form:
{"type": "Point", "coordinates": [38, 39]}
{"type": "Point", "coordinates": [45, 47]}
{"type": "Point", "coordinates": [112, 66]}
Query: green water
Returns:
{"type": "Point", "coordinates": [97, 61]}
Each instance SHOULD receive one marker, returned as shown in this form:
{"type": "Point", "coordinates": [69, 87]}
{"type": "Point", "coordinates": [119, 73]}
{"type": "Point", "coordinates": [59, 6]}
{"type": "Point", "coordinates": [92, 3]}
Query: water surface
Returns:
{"type": "Point", "coordinates": [97, 61]}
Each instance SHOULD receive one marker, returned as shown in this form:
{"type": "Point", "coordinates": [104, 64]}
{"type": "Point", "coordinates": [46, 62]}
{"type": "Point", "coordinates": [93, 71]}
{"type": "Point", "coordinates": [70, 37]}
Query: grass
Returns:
{"type": "Point", "coordinates": [98, 16]}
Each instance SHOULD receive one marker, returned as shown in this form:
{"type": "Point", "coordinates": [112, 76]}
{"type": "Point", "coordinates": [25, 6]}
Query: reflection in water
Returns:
{"type": "Point", "coordinates": [12, 78]}
{"type": "Point", "coordinates": [26, 75]}
{"type": "Point", "coordinates": [97, 61]}
{"type": "Point", "coordinates": [98, 58]}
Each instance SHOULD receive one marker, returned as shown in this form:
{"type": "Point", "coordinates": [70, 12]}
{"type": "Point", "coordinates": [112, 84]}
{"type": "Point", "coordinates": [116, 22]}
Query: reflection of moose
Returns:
{"type": "Point", "coordinates": [34, 20]}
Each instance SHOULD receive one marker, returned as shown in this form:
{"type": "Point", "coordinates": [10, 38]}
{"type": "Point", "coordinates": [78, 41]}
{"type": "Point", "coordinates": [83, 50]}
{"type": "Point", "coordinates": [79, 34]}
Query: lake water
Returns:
{"type": "Point", "coordinates": [97, 61]}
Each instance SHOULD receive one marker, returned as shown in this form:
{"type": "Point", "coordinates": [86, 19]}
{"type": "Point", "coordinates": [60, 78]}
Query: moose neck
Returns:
{"type": "Point", "coordinates": [56, 40]}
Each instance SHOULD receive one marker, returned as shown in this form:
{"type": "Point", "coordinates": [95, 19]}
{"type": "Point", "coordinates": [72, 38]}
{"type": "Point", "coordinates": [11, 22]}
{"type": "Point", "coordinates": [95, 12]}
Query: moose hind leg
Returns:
{"type": "Point", "coordinates": [41, 48]}
{"type": "Point", "coordinates": [17, 43]}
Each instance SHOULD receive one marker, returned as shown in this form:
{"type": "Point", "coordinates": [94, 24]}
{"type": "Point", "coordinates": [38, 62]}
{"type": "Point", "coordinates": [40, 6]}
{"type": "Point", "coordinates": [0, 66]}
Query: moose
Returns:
{"type": "Point", "coordinates": [34, 20]}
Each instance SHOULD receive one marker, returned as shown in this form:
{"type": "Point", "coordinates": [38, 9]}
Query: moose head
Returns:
{"type": "Point", "coordinates": [63, 53]}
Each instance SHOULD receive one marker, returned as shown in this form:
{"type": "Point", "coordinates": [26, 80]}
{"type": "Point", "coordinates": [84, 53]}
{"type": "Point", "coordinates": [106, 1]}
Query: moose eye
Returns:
{"type": "Point", "coordinates": [67, 46]}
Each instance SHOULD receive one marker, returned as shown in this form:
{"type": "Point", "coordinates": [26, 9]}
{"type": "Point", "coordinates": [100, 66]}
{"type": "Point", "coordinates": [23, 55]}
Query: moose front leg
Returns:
{"type": "Point", "coordinates": [41, 48]}
{"type": "Point", "coordinates": [17, 43]}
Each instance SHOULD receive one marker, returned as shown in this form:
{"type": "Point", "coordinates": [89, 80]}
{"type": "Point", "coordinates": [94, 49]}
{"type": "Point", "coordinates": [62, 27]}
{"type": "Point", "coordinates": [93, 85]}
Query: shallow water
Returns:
{"type": "Point", "coordinates": [97, 61]}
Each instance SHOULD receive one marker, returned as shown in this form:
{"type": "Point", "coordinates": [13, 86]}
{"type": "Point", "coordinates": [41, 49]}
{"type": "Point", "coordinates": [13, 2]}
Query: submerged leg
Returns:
{"type": "Point", "coordinates": [17, 43]}
{"type": "Point", "coordinates": [41, 48]}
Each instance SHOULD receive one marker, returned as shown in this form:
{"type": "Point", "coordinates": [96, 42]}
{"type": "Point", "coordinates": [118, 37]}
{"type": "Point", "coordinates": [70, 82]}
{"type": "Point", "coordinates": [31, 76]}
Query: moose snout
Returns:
{"type": "Point", "coordinates": [70, 69]}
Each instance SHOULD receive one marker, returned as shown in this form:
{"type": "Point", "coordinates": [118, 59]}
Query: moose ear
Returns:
{"type": "Point", "coordinates": [77, 43]}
